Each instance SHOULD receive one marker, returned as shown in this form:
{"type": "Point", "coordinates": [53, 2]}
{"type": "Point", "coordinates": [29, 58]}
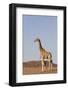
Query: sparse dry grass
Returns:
{"type": "Point", "coordinates": [34, 67]}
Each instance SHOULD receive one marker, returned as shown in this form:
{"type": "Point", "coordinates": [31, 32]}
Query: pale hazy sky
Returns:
{"type": "Point", "coordinates": [43, 27]}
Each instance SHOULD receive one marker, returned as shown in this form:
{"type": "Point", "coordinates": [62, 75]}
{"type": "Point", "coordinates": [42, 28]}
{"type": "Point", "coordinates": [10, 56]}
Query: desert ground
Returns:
{"type": "Point", "coordinates": [34, 67]}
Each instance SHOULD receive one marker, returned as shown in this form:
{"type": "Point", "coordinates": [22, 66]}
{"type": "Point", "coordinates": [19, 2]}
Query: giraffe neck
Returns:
{"type": "Point", "coordinates": [40, 45]}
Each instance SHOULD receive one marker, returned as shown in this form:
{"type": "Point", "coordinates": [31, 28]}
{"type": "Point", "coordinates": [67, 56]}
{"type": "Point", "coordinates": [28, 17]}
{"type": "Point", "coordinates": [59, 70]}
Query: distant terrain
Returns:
{"type": "Point", "coordinates": [34, 67]}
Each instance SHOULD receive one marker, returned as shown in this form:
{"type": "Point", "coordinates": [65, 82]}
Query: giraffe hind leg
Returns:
{"type": "Point", "coordinates": [49, 66]}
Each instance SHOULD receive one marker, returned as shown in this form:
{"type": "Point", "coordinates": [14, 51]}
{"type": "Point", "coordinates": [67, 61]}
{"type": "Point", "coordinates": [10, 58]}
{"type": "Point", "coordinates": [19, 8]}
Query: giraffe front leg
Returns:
{"type": "Point", "coordinates": [42, 65]}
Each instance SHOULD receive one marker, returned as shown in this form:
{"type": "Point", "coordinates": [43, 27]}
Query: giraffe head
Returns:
{"type": "Point", "coordinates": [37, 40]}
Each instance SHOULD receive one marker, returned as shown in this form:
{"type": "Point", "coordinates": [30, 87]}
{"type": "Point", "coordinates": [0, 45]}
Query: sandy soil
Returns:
{"type": "Point", "coordinates": [34, 67]}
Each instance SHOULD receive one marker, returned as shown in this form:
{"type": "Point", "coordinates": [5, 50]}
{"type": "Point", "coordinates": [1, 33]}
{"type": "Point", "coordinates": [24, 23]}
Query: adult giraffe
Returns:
{"type": "Point", "coordinates": [44, 55]}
